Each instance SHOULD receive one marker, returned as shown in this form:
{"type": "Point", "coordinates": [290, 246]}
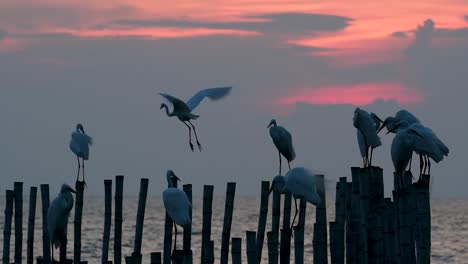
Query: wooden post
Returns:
{"type": "Point", "coordinates": [228, 210]}
{"type": "Point", "coordinates": [18, 189]}
{"type": "Point", "coordinates": [285, 242]}
{"type": "Point", "coordinates": [207, 211]}
{"type": "Point", "coordinates": [168, 225]}
{"type": "Point", "coordinates": [118, 219]}
{"type": "Point", "coordinates": [209, 252]}
{"type": "Point", "coordinates": [45, 199]}
{"type": "Point", "coordinates": [78, 216]}
{"type": "Point", "coordinates": [155, 258]}
{"type": "Point", "coordinates": [340, 219]}
{"type": "Point", "coordinates": [388, 232]}
{"type": "Point", "coordinates": [188, 230]}
{"type": "Point", "coordinates": [10, 195]}
{"type": "Point", "coordinates": [396, 222]}
{"type": "Point", "coordinates": [319, 241]}
{"type": "Point", "coordinates": [236, 250]}
{"type": "Point", "coordinates": [140, 218]}
{"type": "Point", "coordinates": [272, 247]}
{"type": "Point", "coordinates": [299, 234]}
{"type": "Point", "coordinates": [251, 247]}
{"type": "Point", "coordinates": [334, 237]}
{"type": "Point", "coordinates": [262, 218]}
{"type": "Point", "coordinates": [424, 219]}
{"type": "Point", "coordinates": [129, 260]}
{"type": "Point", "coordinates": [404, 221]}
{"type": "Point", "coordinates": [275, 223]}
{"type": "Point", "coordinates": [107, 219]}
{"type": "Point", "coordinates": [364, 182]}
{"type": "Point", "coordinates": [31, 221]}
{"type": "Point", "coordinates": [351, 233]}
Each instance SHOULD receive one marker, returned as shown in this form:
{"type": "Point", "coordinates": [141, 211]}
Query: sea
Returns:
{"type": "Point", "coordinates": [449, 228]}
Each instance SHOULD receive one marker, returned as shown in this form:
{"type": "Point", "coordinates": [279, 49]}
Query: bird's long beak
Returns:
{"type": "Point", "coordinates": [381, 127]}
{"type": "Point", "coordinates": [378, 118]}
{"type": "Point", "coordinates": [71, 190]}
{"type": "Point", "coordinates": [271, 189]}
{"type": "Point", "coordinates": [177, 178]}
{"type": "Point", "coordinates": [269, 125]}
{"type": "Point", "coordinates": [393, 129]}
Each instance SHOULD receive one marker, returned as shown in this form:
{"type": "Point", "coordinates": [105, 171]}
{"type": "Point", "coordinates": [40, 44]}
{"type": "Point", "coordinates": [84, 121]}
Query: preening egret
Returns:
{"type": "Point", "coordinates": [278, 185]}
{"type": "Point", "coordinates": [402, 115]}
{"type": "Point", "coordinates": [283, 142]}
{"type": "Point", "coordinates": [367, 126]}
{"type": "Point", "coordinates": [303, 184]}
{"type": "Point", "coordinates": [57, 216]}
{"type": "Point", "coordinates": [79, 144]}
{"type": "Point", "coordinates": [183, 110]}
{"type": "Point", "coordinates": [177, 204]}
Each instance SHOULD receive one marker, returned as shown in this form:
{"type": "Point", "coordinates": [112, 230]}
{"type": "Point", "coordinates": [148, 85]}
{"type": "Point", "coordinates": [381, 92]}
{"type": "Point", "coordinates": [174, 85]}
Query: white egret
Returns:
{"type": "Point", "coordinates": [183, 110]}
{"type": "Point", "coordinates": [177, 204]}
{"type": "Point", "coordinates": [57, 216]}
{"type": "Point", "coordinates": [366, 125]}
{"type": "Point", "coordinates": [79, 144]}
{"type": "Point", "coordinates": [402, 115]}
{"type": "Point", "coordinates": [303, 184]}
{"type": "Point", "coordinates": [283, 143]}
{"type": "Point", "coordinates": [278, 185]}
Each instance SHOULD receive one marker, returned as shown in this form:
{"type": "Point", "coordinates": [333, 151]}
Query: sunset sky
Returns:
{"type": "Point", "coordinates": [102, 63]}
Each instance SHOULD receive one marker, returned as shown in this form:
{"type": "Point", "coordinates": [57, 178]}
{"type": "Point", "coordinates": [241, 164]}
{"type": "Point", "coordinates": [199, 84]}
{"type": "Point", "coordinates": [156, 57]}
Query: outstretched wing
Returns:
{"type": "Point", "coordinates": [179, 105]}
{"type": "Point", "coordinates": [212, 93]}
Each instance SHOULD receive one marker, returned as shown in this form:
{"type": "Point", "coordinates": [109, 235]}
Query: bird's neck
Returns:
{"type": "Point", "coordinates": [167, 111]}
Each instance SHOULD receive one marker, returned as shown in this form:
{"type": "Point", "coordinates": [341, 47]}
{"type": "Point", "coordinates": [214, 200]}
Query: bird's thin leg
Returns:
{"type": "Point", "coordinates": [295, 214]}
{"type": "Point", "coordinates": [189, 135]}
{"type": "Point", "coordinates": [421, 165]}
{"type": "Point", "coordinates": [52, 247]}
{"type": "Point", "coordinates": [175, 239]}
{"type": "Point", "coordinates": [279, 156]}
{"type": "Point", "coordinates": [370, 161]}
{"type": "Point", "coordinates": [425, 164]}
{"type": "Point", "coordinates": [367, 152]}
{"type": "Point", "coordinates": [79, 167]}
{"type": "Point", "coordinates": [196, 137]}
{"type": "Point", "coordinates": [82, 165]}
{"type": "Point", "coordinates": [411, 159]}
{"type": "Point", "coordinates": [428, 166]}
{"type": "Point", "coordinates": [289, 165]}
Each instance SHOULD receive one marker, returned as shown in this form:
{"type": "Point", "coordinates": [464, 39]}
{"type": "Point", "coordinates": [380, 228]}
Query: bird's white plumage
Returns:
{"type": "Point", "coordinates": [57, 215]}
{"type": "Point", "coordinates": [303, 183]}
{"type": "Point", "coordinates": [427, 143]}
{"type": "Point", "coordinates": [79, 144]}
{"type": "Point", "coordinates": [363, 121]}
{"type": "Point", "coordinates": [405, 115]}
{"type": "Point", "coordinates": [177, 206]}
{"type": "Point", "coordinates": [212, 93]}
{"type": "Point", "coordinates": [283, 141]}
{"type": "Point", "coordinates": [402, 148]}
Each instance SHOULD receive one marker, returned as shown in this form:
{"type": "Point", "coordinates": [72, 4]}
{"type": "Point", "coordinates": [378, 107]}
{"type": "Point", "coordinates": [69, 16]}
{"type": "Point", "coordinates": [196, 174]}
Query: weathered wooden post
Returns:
{"type": "Point", "coordinates": [107, 219]}
{"type": "Point", "coordinates": [18, 189]}
{"type": "Point", "coordinates": [228, 210]}
{"type": "Point", "coordinates": [388, 232]}
{"type": "Point", "coordinates": [404, 220]}
{"type": "Point", "coordinates": [340, 219]}
{"type": "Point", "coordinates": [364, 182]}
{"type": "Point", "coordinates": [140, 218]}
{"type": "Point", "coordinates": [155, 258]}
{"type": "Point", "coordinates": [129, 260]}
{"type": "Point", "coordinates": [334, 243]}
{"type": "Point", "coordinates": [168, 225]}
{"type": "Point", "coordinates": [118, 219]}
{"type": "Point", "coordinates": [352, 237]}
{"type": "Point", "coordinates": [10, 196]}
{"type": "Point", "coordinates": [187, 241]}
{"type": "Point", "coordinates": [262, 218]}
{"type": "Point", "coordinates": [209, 252]}
{"type": "Point", "coordinates": [423, 217]}
{"type": "Point", "coordinates": [251, 247]}
{"type": "Point", "coordinates": [79, 186]}
{"type": "Point", "coordinates": [396, 222]}
{"type": "Point", "coordinates": [272, 247]}
{"type": "Point", "coordinates": [374, 214]}
{"type": "Point", "coordinates": [45, 200]}
{"type": "Point", "coordinates": [299, 234]}
{"type": "Point", "coordinates": [236, 250]}
{"type": "Point", "coordinates": [275, 223]}
{"type": "Point", "coordinates": [31, 221]}
{"type": "Point", "coordinates": [207, 211]}
{"type": "Point", "coordinates": [319, 241]}
{"type": "Point", "coordinates": [285, 242]}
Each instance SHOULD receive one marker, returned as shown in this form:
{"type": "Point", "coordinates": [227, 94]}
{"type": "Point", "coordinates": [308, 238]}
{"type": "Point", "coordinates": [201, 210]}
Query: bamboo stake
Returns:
{"type": "Point", "coordinates": [31, 221]}
{"type": "Point", "coordinates": [140, 218]}
{"type": "Point", "coordinates": [207, 211]}
{"type": "Point", "coordinates": [228, 210]}
{"type": "Point", "coordinates": [45, 232]}
{"type": "Point", "coordinates": [236, 250]}
{"type": "Point", "coordinates": [10, 195]}
{"type": "Point", "coordinates": [107, 219]}
{"type": "Point", "coordinates": [78, 216]}
{"type": "Point", "coordinates": [251, 247]}
{"type": "Point", "coordinates": [18, 189]}
{"type": "Point", "coordinates": [188, 230]}
{"type": "Point", "coordinates": [262, 218]}
{"type": "Point", "coordinates": [118, 219]}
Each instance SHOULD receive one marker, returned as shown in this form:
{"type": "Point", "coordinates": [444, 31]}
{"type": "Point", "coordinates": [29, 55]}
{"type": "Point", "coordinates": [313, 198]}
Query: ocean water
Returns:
{"type": "Point", "coordinates": [449, 228]}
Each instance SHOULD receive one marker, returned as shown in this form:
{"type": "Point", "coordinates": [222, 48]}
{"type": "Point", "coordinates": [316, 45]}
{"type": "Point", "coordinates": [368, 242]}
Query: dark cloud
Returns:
{"type": "Point", "coordinates": [283, 23]}
{"type": "Point", "coordinates": [399, 34]}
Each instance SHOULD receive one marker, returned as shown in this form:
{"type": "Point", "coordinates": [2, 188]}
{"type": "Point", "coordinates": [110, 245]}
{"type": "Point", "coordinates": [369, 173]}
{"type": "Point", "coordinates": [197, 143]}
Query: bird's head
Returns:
{"type": "Point", "coordinates": [171, 177]}
{"type": "Point", "coordinates": [162, 106]}
{"type": "Point", "coordinates": [278, 185]}
{"type": "Point", "coordinates": [66, 188]}
{"type": "Point", "coordinates": [389, 122]}
{"type": "Point", "coordinates": [272, 123]}
{"type": "Point", "coordinates": [79, 127]}
{"type": "Point", "coordinates": [400, 124]}
{"type": "Point", "coordinates": [376, 119]}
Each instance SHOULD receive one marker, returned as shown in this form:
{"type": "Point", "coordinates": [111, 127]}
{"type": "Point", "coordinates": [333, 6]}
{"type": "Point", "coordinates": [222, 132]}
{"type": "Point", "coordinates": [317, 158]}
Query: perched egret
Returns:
{"type": "Point", "coordinates": [183, 110]}
{"type": "Point", "coordinates": [402, 115]}
{"type": "Point", "coordinates": [283, 143]}
{"type": "Point", "coordinates": [57, 216]}
{"type": "Point", "coordinates": [79, 144]}
{"type": "Point", "coordinates": [367, 126]}
{"type": "Point", "coordinates": [303, 184]}
{"type": "Point", "coordinates": [278, 185]}
{"type": "Point", "coordinates": [177, 204]}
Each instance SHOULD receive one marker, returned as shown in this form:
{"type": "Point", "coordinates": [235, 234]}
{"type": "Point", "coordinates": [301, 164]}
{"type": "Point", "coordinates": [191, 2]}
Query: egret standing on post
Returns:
{"type": "Point", "coordinates": [57, 216]}
{"type": "Point", "coordinates": [366, 126]}
{"type": "Point", "coordinates": [183, 110]}
{"type": "Point", "coordinates": [79, 144]}
{"type": "Point", "coordinates": [177, 204]}
{"type": "Point", "coordinates": [283, 143]}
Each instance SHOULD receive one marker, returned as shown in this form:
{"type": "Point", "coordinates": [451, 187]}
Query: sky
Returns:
{"type": "Point", "coordinates": [306, 63]}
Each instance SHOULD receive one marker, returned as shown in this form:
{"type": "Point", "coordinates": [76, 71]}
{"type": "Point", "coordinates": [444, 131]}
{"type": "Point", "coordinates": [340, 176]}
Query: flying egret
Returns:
{"type": "Point", "coordinates": [303, 184]}
{"type": "Point", "coordinates": [177, 204]}
{"type": "Point", "coordinates": [283, 143]}
{"type": "Point", "coordinates": [57, 216]}
{"type": "Point", "coordinates": [183, 111]}
{"type": "Point", "coordinates": [365, 124]}
{"type": "Point", "coordinates": [79, 144]}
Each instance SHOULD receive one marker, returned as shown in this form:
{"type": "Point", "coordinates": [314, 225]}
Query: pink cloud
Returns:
{"type": "Point", "coordinates": [360, 94]}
